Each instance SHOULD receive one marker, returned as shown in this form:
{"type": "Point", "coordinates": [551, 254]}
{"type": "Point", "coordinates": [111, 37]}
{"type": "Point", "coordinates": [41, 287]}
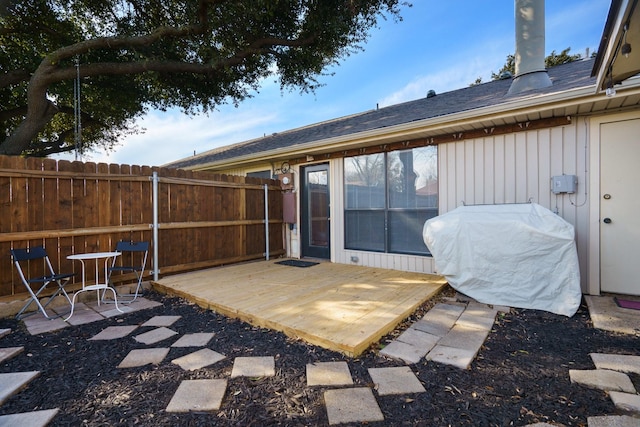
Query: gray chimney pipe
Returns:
{"type": "Point", "coordinates": [529, 58]}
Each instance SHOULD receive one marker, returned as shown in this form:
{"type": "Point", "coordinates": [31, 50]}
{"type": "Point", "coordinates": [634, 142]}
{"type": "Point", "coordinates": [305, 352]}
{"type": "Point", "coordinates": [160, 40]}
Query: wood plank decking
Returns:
{"type": "Point", "coordinates": [340, 307]}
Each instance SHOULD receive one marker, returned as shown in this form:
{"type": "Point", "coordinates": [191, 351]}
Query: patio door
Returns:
{"type": "Point", "coordinates": [314, 216]}
{"type": "Point", "coordinates": [619, 207]}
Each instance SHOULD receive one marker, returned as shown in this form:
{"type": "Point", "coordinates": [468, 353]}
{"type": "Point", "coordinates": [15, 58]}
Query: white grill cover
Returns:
{"type": "Point", "coordinates": [519, 255]}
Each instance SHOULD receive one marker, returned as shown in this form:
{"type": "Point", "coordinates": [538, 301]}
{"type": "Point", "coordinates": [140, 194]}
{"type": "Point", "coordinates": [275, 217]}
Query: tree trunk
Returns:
{"type": "Point", "coordinates": [40, 111]}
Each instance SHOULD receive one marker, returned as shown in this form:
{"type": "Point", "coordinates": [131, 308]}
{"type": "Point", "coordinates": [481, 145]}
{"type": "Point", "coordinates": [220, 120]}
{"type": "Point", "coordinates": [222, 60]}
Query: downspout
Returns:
{"type": "Point", "coordinates": [530, 71]}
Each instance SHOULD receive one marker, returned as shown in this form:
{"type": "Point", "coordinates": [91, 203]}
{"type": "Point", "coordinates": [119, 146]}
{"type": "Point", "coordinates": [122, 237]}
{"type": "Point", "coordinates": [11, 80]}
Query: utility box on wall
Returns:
{"type": "Point", "coordinates": [289, 207]}
{"type": "Point", "coordinates": [564, 184]}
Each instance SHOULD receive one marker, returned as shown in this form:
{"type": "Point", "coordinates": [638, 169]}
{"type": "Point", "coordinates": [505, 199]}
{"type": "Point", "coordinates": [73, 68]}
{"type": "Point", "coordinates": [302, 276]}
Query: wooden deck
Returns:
{"type": "Point", "coordinates": [340, 307]}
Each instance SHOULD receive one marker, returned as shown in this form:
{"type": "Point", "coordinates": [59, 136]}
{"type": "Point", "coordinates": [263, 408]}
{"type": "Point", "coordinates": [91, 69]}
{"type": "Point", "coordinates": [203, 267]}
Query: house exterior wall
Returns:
{"type": "Point", "coordinates": [517, 168]}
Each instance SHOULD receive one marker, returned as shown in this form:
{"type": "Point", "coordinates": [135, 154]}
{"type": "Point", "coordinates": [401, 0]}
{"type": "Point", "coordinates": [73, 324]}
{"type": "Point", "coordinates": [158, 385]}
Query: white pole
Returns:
{"type": "Point", "coordinates": [156, 270]}
{"type": "Point", "coordinates": [266, 220]}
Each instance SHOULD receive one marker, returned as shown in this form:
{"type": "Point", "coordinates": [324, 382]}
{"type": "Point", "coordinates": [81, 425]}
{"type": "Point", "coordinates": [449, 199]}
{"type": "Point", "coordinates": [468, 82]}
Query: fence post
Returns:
{"type": "Point", "coordinates": [156, 270]}
{"type": "Point", "coordinates": [266, 219]}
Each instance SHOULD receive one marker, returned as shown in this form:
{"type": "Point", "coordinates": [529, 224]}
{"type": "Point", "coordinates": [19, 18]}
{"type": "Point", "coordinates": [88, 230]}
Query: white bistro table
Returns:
{"type": "Point", "coordinates": [97, 286]}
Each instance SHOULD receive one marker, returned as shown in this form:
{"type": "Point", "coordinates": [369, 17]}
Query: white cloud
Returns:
{"type": "Point", "coordinates": [172, 135]}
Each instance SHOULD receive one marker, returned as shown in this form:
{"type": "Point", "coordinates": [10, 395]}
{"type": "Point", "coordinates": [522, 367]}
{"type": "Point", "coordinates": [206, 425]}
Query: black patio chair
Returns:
{"type": "Point", "coordinates": [25, 261]}
{"type": "Point", "coordinates": [133, 260]}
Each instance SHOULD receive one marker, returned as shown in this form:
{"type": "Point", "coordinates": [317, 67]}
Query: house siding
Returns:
{"type": "Point", "coordinates": [517, 168]}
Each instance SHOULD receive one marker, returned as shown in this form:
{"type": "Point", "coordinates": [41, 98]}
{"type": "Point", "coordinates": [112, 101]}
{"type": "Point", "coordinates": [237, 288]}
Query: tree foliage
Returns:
{"type": "Point", "coordinates": [551, 60]}
{"type": "Point", "coordinates": [135, 55]}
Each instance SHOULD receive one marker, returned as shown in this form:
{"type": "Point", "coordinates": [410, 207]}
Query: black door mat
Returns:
{"type": "Point", "coordinates": [626, 303]}
{"type": "Point", "coordinates": [297, 263]}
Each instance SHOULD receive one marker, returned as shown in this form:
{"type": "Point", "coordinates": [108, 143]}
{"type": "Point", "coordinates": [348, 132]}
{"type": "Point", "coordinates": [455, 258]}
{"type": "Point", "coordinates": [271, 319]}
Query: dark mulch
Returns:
{"type": "Point", "coordinates": [520, 376]}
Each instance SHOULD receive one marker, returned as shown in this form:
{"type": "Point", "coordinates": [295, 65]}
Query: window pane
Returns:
{"type": "Point", "coordinates": [405, 230]}
{"type": "Point", "coordinates": [364, 181]}
{"type": "Point", "coordinates": [364, 230]}
{"type": "Point", "coordinates": [413, 178]}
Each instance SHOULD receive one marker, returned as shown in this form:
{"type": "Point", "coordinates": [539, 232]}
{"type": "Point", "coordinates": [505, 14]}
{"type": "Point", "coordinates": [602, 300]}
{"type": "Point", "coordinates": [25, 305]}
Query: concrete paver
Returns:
{"type": "Point", "coordinates": [114, 332]}
{"type": "Point", "coordinates": [30, 419]}
{"type": "Point", "coordinates": [602, 379]}
{"type": "Point", "coordinates": [38, 324]}
{"type": "Point", "coordinates": [477, 320]}
{"type": "Point", "coordinates": [14, 381]}
{"type": "Point", "coordinates": [9, 352]}
{"type": "Point", "coordinates": [145, 356]}
{"type": "Point", "coordinates": [161, 321]}
{"type": "Point", "coordinates": [198, 395]}
{"type": "Point", "coordinates": [198, 339]}
{"type": "Point", "coordinates": [403, 351]}
{"type": "Point", "coordinates": [253, 367]}
{"type": "Point", "coordinates": [82, 314]}
{"type": "Point", "coordinates": [398, 380]}
{"type": "Point", "coordinates": [155, 335]}
{"type": "Point", "coordinates": [458, 357]}
{"type": "Point", "coordinates": [198, 359]}
{"type": "Point", "coordinates": [440, 319]}
{"type": "Point", "coordinates": [464, 337]}
{"type": "Point", "coordinates": [352, 405]}
{"type": "Point", "coordinates": [616, 362]}
{"type": "Point", "coordinates": [423, 340]}
{"type": "Point", "coordinates": [328, 373]}
{"type": "Point", "coordinates": [626, 401]}
{"type": "Point", "coordinates": [612, 421]}
{"type": "Point", "coordinates": [5, 332]}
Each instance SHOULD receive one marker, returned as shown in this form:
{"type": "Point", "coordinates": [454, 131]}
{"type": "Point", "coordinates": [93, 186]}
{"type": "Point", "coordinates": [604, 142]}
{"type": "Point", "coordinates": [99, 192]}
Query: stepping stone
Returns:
{"type": "Point", "coordinates": [12, 382]}
{"type": "Point", "coordinates": [31, 419]}
{"type": "Point", "coordinates": [198, 395]}
{"type": "Point", "coordinates": [4, 332]}
{"type": "Point", "coordinates": [9, 352]}
{"type": "Point", "coordinates": [602, 379]}
{"type": "Point", "coordinates": [422, 340]}
{"type": "Point", "coordinates": [114, 332]}
{"type": "Point", "coordinates": [403, 351]}
{"type": "Point", "coordinates": [616, 362]}
{"type": "Point", "coordinates": [328, 373]}
{"type": "Point", "coordinates": [625, 401]}
{"type": "Point", "coordinates": [161, 321]}
{"type": "Point", "coordinates": [464, 337]}
{"type": "Point", "coordinates": [141, 304]}
{"type": "Point", "coordinates": [82, 314]}
{"type": "Point", "coordinates": [440, 319]}
{"type": "Point", "coordinates": [253, 367]}
{"type": "Point", "coordinates": [399, 380]}
{"type": "Point", "coordinates": [198, 339]}
{"type": "Point", "coordinates": [612, 421]}
{"type": "Point", "coordinates": [458, 357]}
{"type": "Point", "coordinates": [477, 319]}
{"type": "Point", "coordinates": [38, 324]}
{"type": "Point", "coordinates": [198, 359]}
{"type": "Point", "coordinates": [145, 356]}
{"type": "Point", "coordinates": [352, 405]}
{"type": "Point", "coordinates": [156, 335]}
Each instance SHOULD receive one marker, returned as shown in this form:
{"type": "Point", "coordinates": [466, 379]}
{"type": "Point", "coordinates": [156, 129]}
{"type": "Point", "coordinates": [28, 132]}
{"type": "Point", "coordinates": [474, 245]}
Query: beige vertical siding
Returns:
{"type": "Point", "coordinates": [517, 168]}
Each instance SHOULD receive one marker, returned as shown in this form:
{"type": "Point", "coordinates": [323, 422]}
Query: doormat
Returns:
{"type": "Point", "coordinates": [297, 263]}
{"type": "Point", "coordinates": [626, 303]}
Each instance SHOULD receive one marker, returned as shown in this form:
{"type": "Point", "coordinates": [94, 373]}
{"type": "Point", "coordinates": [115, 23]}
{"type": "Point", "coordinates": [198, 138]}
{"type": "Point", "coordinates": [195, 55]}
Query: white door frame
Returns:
{"type": "Point", "coordinates": [593, 279]}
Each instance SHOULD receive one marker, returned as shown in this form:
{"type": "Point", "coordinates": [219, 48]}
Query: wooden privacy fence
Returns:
{"type": "Point", "coordinates": [203, 219]}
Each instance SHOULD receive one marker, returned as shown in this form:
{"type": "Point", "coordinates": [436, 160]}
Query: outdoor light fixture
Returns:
{"type": "Point", "coordinates": [626, 47]}
{"type": "Point", "coordinates": [610, 89]}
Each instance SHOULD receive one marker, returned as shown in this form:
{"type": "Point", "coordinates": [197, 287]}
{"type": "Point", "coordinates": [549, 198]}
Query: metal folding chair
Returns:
{"type": "Point", "coordinates": [133, 260]}
{"type": "Point", "coordinates": [27, 260]}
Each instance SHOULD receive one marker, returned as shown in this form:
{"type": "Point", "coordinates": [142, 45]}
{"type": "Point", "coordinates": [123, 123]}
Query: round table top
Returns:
{"type": "Point", "coordinates": [93, 255]}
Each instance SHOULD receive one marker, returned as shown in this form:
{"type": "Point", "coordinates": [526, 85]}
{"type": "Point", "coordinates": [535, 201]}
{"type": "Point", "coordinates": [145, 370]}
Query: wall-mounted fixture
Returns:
{"type": "Point", "coordinates": [564, 184]}
{"type": "Point", "coordinates": [286, 180]}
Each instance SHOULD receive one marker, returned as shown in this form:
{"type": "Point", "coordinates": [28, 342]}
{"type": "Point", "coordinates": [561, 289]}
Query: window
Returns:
{"type": "Point", "coordinates": [388, 197]}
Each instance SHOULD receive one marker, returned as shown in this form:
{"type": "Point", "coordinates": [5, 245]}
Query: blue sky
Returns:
{"type": "Point", "coordinates": [439, 45]}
